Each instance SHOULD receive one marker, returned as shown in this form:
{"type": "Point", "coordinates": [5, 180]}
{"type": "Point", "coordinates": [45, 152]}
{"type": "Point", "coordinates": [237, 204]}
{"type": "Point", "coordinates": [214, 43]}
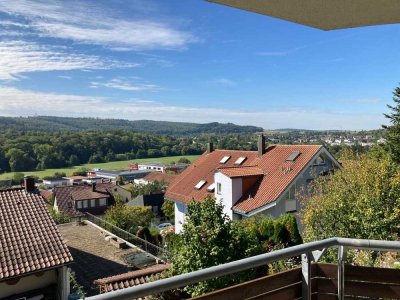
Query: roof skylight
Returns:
{"type": "Point", "coordinates": [200, 184]}
{"type": "Point", "coordinates": [224, 159]}
{"type": "Point", "coordinates": [293, 156]}
{"type": "Point", "coordinates": [240, 160]}
{"type": "Point", "coordinates": [211, 187]}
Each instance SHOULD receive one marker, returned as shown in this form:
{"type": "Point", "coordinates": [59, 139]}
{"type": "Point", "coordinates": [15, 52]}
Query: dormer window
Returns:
{"type": "Point", "coordinates": [224, 159]}
{"type": "Point", "coordinates": [211, 187]}
{"type": "Point", "coordinates": [240, 160]}
{"type": "Point", "coordinates": [200, 184]}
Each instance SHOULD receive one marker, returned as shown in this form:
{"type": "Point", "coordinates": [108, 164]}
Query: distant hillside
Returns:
{"type": "Point", "coordinates": [51, 124]}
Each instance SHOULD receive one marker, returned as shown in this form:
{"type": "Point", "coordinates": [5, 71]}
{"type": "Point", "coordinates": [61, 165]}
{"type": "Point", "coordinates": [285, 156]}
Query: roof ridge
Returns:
{"type": "Point", "coordinates": [237, 167]}
{"type": "Point", "coordinates": [131, 274]}
{"type": "Point", "coordinates": [230, 150]}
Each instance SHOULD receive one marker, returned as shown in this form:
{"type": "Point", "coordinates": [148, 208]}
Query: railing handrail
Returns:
{"type": "Point", "coordinates": [147, 243]}
{"type": "Point", "coordinates": [178, 281]}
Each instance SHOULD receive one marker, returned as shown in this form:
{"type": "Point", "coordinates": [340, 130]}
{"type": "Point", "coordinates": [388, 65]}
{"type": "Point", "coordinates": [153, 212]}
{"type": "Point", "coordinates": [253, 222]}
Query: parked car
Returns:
{"type": "Point", "coordinates": [163, 225]}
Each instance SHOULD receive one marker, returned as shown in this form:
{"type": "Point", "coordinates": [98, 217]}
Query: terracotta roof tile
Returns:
{"type": "Point", "coordinates": [182, 189]}
{"type": "Point", "coordinates": [242, 171]}
{"type": "Point", "coordinates": [129, 279]}
{"type": "Point", "coordinates": [29, 238]}
{"type": "Point", "coordinates": [278, 174]}
{"type": "Point", "coordinates": [159, 176]}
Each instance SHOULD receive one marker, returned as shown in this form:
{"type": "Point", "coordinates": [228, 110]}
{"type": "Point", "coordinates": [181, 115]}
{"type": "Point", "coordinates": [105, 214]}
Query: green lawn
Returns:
{"type": "Point", "coordinates": [114, 165]}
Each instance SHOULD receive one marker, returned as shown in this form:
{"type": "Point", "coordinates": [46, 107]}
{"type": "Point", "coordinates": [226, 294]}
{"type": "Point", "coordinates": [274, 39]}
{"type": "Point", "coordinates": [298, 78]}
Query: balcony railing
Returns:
{"type": "Point", "coordinates": [142, 244]}
{"type": "Point", "coordinates": [311, 281]}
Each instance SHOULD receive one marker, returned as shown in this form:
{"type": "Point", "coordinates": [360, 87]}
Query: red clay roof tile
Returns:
{"type": "Point", "coordinates": [242, 171]}
{"type": "Point", "coordinates": [158, 176]}
{"type": "Point", "coordinates": [129, 279]}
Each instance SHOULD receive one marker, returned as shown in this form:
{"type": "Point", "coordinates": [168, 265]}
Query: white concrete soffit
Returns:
{"type": "Point", "coordinates": [324, 14]}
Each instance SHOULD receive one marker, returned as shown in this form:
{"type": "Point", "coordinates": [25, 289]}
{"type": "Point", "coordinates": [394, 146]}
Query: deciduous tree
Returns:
{"type": "Point", "coordinates": [360, 201]}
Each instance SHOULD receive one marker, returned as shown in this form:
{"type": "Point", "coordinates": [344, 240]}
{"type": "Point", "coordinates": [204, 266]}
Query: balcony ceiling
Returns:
{"type": "Point", "coordinates": [324, 14]}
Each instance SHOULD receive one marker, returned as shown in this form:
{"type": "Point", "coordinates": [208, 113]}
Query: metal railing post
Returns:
{"type": "Point", "coordinates": [340, 276]}
{"type": "Point", "coordinates": [306, 275]}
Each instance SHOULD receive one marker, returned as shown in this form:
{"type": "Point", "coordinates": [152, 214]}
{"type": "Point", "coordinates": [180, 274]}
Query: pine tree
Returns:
{"type": "Point", "coordinates": [393, 130]}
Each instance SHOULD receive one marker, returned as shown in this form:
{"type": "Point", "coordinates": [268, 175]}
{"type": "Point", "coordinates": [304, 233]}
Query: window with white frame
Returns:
{"type": "Point", "coordinates": [79, 204]}
{"type": "Point", "coordinates": [219, 188]}
{"type": "Point", "coordinates": [93, 203]}
{"type": "Point", "coordinates": [85, 203]}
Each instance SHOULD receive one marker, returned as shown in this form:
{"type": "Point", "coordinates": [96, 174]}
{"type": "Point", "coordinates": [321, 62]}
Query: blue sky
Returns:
{"type": "Point", "coordinates": [191, 61]}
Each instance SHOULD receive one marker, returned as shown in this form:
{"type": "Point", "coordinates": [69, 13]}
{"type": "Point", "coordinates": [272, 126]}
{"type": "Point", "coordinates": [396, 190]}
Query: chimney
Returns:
{"type": "Point", "coordinates": [93, 186]}
{"type": "Point", "coordinates": [29, 184]}
{"type": "Point", "coordinates": [261, 145]}
{"type": "Point", "coordinates": [210, 147]}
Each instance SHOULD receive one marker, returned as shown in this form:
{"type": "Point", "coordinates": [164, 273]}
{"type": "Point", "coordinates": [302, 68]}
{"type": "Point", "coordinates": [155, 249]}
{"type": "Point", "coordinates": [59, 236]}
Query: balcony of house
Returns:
{"type": "Point", "coordinates": [311, 279]}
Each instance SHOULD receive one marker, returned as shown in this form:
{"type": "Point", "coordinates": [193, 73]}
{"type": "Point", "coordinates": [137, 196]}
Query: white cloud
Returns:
{"type": "Point", "coordinates": [21, 57]}
{"type": "Point", "coordinates": [224, 82]}
{"type": "Point", "coordinates": [282, 52]}
{"type": "Point", "coordinates": [120, 84]}
{"type": "Point", "coordinates": [93, 24]}
{"type": "Point", "coordinates": [15, 102]}
{"type": "Point", "coordinates": [65, 77]}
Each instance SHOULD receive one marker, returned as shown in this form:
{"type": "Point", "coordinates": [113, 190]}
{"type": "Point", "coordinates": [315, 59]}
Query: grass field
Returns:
{"type": "Point", "coordinates": [114, 165]}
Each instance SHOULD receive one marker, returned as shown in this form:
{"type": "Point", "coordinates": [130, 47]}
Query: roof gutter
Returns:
{"type": "Point", "coordinates": [37, 271]}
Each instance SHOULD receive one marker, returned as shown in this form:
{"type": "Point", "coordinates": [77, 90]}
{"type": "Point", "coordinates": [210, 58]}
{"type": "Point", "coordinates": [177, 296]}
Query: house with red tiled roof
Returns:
{"type": "Point", "coordinates": [251, 182]}
{"type": "Point", "coordinates": [78, 199]}
{"type": "Point", "coordinates": [33, 256]}
{"type": "Point", "coordinates": [157, 176]}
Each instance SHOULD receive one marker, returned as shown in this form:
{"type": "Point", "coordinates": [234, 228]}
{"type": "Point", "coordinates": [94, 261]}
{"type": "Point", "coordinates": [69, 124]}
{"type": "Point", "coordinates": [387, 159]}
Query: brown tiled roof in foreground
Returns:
{"type": "Point", "coordinates": [275, 174]}
{"type": "Point", "coordinates": [159, 176]}
{"type": "Point", "coordinates": [129, 279]}
{"type": "Point", "coordinates": [29, 238]}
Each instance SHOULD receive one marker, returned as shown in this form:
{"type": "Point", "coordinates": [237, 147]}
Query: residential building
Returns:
{"type": "Point", "coordinates": [75, 180]}
{"type": "Point", "coordinates": [160, 167]}
{"type": "Point", "coordinates": [247, 183]}
{"type": "Point", "coordinates": [156, 166]}
{"type": "Point", "coordinates": [33, 256]}
{"type": "Point", "coordinates": [123, 191]}
{"type": "Point", "coordinates": [124, 175]}
{"type": "Point", "coordinates": [154, 200]}
{"type": "Point", "coordinates": [156, 176]}
{"type": "Point", "coordinates": [56, 182]}
{"type": "Point", "coordinates": [78, 199]}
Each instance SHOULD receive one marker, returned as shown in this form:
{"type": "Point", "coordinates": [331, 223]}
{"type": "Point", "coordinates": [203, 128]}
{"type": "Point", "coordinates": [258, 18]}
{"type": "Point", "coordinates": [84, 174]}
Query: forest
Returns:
{"type": "Point", "coordinates": [28, 151]}
{"type": "Point", "coordinates": [54, 124]}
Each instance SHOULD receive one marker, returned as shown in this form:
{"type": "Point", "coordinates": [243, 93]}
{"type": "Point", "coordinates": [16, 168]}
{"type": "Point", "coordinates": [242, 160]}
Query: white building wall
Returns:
{"type": "Point", "coordinates": [28, 283]}
{"type": "Point", "coordinates": [180, 212]}
{"type": "Point", "coordinates": [231, 191]}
